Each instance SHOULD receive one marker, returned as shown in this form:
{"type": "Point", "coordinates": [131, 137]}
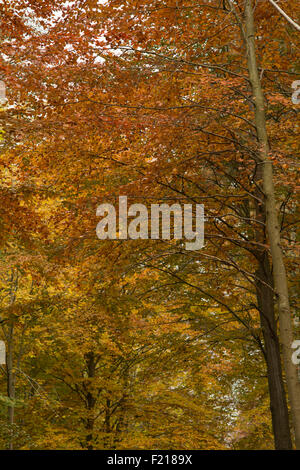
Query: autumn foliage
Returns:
{"type": "Point", "coordinates": [140, 344]}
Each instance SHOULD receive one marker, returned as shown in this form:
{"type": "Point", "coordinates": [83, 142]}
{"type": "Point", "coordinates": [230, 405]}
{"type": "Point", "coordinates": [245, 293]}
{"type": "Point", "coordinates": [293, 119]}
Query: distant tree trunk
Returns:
{"type": "Point", "coordinates": [91, 401]}
{"type": "Point", "coordinates": [11, 379]}
{"type": "Point", "coordinates": [272, 224]}
{"type": "Point", "coordinates": [122, 422]}
{"type": "Point", "coordinates": [11, 376]}
{"type": "Point", "coordinates": [107, 424]}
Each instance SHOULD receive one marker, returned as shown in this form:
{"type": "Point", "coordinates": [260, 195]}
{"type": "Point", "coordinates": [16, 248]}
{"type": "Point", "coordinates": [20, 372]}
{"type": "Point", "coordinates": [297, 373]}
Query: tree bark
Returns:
{"type": "Point", "coordinates": [278, 403]}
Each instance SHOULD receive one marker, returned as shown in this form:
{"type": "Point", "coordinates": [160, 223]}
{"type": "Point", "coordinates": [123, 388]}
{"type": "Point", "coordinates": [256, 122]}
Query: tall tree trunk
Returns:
{"type": "Point", "coordinates": [272, 224]}
{"type": "Point", "coordinates": [266, 305]}
{"type": "Point", "coordinates": [278, 403]}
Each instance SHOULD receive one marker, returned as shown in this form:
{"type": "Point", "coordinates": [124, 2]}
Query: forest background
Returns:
{"type": "Point", "coordinates": [141, 344]}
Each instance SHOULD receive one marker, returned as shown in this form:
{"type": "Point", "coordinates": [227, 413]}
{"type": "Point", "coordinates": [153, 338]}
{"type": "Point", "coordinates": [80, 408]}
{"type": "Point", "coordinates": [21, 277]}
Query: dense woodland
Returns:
{"type": "Point", "coordinates": [142, 344]}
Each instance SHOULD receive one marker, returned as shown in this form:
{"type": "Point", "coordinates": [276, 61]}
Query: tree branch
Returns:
{"type": "Point", "coordinates": [285, 15]}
